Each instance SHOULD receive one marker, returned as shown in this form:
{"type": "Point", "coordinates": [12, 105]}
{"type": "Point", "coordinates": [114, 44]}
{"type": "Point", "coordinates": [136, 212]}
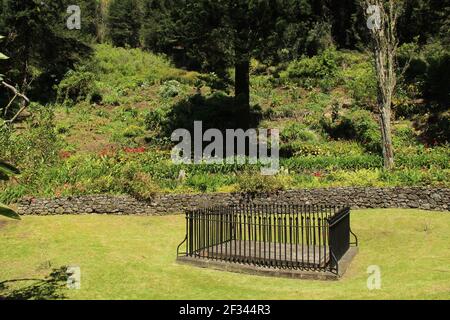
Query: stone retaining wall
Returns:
{"type": "Point", "coordinates": [421, 198]}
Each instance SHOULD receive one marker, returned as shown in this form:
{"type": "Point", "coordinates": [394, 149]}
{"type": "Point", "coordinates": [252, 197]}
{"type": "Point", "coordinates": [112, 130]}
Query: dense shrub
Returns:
{"type": "Point", "coordinates": [358, 125]}
{"type": "Point", "coordinates": [140, 185]}
{"type": "Point", "coordinates": [319, 70]}
{"type": "Point", "coordinates": [360, 80]}
{"type": "Point", "coordinates": [436, 129]}
{"type": "Point", "coordinates": [77, 86]}
{"type": "Point", "coordinates": [37, 145]}
{"type": "Point", "coordinates": [298, 132]}
{"type": "Point", "coordinates": [429, 70]}
{"type": "Point", "coordinates": [257, 183]}
{"type": "Point", "coordinates": [404, 135]}
{"type": "Point", "coordinates": [157, 119]}
{"type": "Point", "coordinates": [217, 110]}
{"type": "Point", "coordinates": [170, 89]}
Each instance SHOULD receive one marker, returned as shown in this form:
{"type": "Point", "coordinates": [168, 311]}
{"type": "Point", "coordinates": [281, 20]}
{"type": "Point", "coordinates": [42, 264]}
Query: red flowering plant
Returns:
{"type": "Point", "coordinates": [318, 174]}
{"type": "Point", "coordinates": [65, 154]}
{"type": "Point", "coordinates": [135, 150]}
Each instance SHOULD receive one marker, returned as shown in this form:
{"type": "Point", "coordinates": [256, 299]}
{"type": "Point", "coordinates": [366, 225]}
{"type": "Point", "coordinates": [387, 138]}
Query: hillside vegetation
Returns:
{"type": "Point", "coordinates": [109, 131]}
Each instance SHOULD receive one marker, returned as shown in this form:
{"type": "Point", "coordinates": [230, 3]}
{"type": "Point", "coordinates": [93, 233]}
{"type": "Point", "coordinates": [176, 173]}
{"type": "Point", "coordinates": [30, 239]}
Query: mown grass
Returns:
{"type": "Point", "coordinates": [134, 258]}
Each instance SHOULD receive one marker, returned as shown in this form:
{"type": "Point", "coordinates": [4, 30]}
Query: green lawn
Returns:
{"type": "Point", "coordinates": [134, 258]}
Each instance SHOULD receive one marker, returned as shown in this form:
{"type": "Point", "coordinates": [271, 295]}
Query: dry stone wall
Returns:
{"type": "Point", "coordinates": [422, 198]}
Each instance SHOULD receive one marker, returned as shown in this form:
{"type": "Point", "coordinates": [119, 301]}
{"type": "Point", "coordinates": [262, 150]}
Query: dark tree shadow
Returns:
{"type": "Point", "coordinates": [218, 111]}
{"type": "Point", "coordinates": [50, 288]}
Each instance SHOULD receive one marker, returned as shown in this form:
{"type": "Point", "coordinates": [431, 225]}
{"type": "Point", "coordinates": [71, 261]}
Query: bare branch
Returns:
{"type": "Point", "coordinates": [16, 94]}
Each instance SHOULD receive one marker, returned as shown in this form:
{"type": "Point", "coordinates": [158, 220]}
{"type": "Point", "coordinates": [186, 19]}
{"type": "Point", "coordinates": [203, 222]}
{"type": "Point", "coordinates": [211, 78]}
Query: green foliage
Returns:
{"type": "Point", "coordinates": [170, 89]}
{"type": "Point", "coordinates": [257, 183]}
{"type": "Point", "coordinates": [319, 70]}
{"type": "Point", "coordinates": [35, 147]}
{"type": "Point", "coordinates": [206, 182]}
{"type": "Point", "coordinates": [47, 60]}
{"type": "Point", "coordinates": [298, 132]}
{"type": "Point", "coordinates": [124, 22]}
{"type": "Point", "coordinates": [113, 76]}
{"type": "Point", "coordinates": [300, 164]}
{"type": "Point", "coordinates": [5, 171]}
{"type": "Point", "coordinates": [404, 135]}
{"type": "Point", "coordinates": [8, 212]}
{"type": "Point", "coordinates": [341, 148]}
{"type": "Point", "coordinates": [437, 128]}
{"type": "Point", "coordinates": [78, 86]}
{"type": "Point", "coordinates": [140, 185]}
{"type": "Point", "coordinates": [157, 119]}
{"type": "Point", "coordinates": [155, 21]}
{"type": "Point", "coordinates": [358, 77]}
{"type": "Point", "coordinates": [356, 125]}
{"type": "Point", "coordinates": [429, 71]}
{"type": "Point", "coordinates": [133, 131]}
{"type": "Point", "coordinates": [217, 110]}
{"type": "Point", "coordinates": [2, 57]}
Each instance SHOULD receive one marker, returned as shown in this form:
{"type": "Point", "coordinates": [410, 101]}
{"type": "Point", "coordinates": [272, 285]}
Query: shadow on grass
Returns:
{"type": "Point", "coordinates": [49, 288]}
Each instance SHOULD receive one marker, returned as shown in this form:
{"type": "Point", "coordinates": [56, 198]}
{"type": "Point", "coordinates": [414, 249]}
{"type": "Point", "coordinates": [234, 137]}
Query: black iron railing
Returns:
{"type": "Point", "coordinates": [274, 236]}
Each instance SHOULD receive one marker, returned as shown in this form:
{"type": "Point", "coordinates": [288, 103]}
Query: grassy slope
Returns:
{"type": "Point", "coordinates": [134, 258]}
{"type": "Point", "coordinates": [97, 139]}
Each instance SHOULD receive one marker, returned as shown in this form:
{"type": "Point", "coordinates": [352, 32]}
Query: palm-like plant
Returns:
{"type": "Point", "coordinates": [2, 57]}
{"type": "Point", "coordinates": [6, 170]}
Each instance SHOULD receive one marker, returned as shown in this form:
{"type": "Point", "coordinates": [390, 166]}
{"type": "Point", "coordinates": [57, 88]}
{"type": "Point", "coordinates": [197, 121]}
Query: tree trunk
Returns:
{"type": "Point", "coordinates": [382, 18]}
{"type": "Point", "coordinates": [242, 90]}
{"type": "Point", "coordinates": [386, 133]}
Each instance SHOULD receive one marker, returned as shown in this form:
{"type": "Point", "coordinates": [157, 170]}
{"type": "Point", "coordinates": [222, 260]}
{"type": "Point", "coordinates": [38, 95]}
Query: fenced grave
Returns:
{"type": "Point", "coordinates": [285, 240]}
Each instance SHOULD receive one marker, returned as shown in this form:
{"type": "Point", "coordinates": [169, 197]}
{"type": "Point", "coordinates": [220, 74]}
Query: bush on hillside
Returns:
{"type": "Point", "coordinates": [257, 183]}
{"type": "Point", "coordinates": [358, 125]}
{"type": "Point", "coordinates": [298, 132]}
{"type": "Point", "coordinates": [319, 70]}
{"type": "Point", "coordinates": [429, 70]}
{"type": "Point", "coordinates": [78, 86]}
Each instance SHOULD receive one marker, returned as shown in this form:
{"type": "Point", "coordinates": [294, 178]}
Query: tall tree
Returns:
{"type": "Point", "coordinates": [124, 22]}
{"type": "Point", "coordinates": [382, 19]}
{"type": "Point", "coordinates": [156, 19]}
{"type": "Point", "coordinates": [216, 35]}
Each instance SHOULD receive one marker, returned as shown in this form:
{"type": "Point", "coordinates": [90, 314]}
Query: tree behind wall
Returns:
{"type": "Point", "coordinates": [124, 23]}
{"type": "Point", "coordinates": [385, 44]}
{"type": "Point", "coordinates": [216, 35]}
